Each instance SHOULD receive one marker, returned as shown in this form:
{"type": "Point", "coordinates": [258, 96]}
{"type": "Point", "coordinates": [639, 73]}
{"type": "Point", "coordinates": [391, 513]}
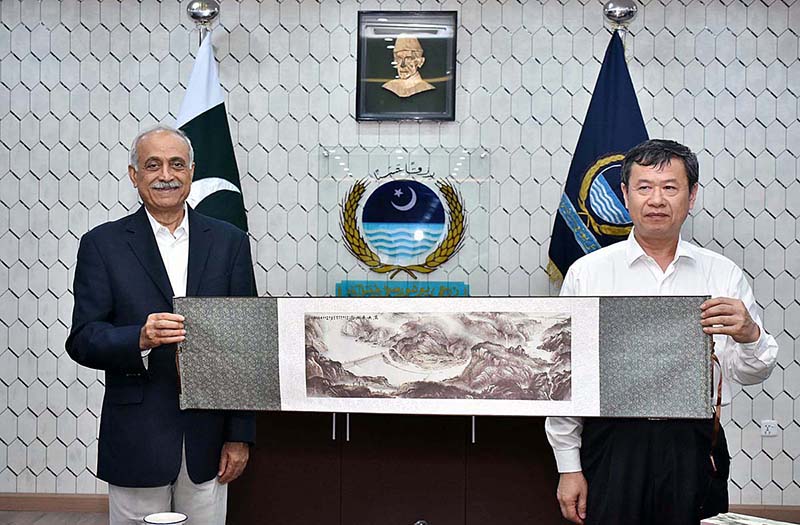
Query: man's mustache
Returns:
{"type": "Point", "coordinates": [171, 185]}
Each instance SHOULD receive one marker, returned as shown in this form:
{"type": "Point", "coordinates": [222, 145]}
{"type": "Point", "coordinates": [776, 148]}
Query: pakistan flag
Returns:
{"type": "Point", "coordinates": [216, 189]}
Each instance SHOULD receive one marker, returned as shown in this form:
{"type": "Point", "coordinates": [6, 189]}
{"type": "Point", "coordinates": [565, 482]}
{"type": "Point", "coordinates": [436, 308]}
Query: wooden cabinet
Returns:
{"type": "Point", "coordinates": [396, 470]}
{"type": "Point", "coordinates": [511, 473]}
{"type": "Point", "coordinates": [400, 470]}
{"type": "Point", "coordinates": [293, 476]}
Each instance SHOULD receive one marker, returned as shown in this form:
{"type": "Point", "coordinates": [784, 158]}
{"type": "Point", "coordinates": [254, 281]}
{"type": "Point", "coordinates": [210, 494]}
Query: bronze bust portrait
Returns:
{"type": "Point", "coordinates": [408, 59]}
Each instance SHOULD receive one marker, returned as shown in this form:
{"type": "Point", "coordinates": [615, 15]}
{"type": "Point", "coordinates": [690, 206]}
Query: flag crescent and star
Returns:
{"type": "Point", "coordinates": [216, 190]}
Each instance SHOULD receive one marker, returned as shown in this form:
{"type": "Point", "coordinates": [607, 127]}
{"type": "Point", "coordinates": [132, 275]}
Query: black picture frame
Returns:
{"type": "Point", "coordinates": [429, 93]}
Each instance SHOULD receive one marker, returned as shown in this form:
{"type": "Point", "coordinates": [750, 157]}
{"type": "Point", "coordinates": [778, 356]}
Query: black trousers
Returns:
{"type": "Point", "coordinates": [653, 472]}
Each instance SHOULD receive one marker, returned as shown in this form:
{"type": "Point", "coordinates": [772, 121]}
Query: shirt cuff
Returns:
{"type": "Point", "coordinates": [756, 348]}
{"type": "Point", "coordinates": [145, 359]}
{"type": "Point", "coordinates": [568, 460]}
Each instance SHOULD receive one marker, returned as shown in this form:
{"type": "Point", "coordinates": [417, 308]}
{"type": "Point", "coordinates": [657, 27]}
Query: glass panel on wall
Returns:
{"type": "Point", "coordinates": [401, 222]}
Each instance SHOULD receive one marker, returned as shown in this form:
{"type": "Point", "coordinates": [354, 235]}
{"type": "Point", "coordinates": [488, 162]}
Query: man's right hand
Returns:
{"type": "Point", "coordinates": [571, 494]}
{"type": "Point", "coordinates": [161, 329]}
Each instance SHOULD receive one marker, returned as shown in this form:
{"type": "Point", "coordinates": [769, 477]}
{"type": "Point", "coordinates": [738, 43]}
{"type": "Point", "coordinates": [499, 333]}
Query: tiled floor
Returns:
{"type": "Point", "coordinates": [52, 518]}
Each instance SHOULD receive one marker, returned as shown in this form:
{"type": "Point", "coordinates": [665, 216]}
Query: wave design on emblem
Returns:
{"type": "Point", "coordinates": [394, 227]}
{"type": "Point", "coordinates": [408, 244]}
{"type": "Point", "coordinates": [401, 240]}
{"type": "Point", "coordinates": [402, 254]}
{"type": "Point", "coordinates": [606, 204]}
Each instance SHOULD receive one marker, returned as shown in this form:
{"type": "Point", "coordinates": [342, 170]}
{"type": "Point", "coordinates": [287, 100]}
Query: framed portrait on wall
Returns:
{"type": "Point", "coordinates": [406, 65]}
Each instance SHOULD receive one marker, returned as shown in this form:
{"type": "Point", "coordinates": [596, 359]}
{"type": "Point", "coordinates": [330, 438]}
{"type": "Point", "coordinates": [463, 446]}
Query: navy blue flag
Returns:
{"type": "Point", "coordinates": [592, 212]}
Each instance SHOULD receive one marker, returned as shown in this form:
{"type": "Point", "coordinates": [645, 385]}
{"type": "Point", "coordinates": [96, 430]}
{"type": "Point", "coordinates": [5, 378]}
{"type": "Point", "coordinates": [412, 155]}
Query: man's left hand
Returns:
{"type": "Point", "coordinates": [232, 461]}
{"type": "Point", "coordinates": [726, 316]}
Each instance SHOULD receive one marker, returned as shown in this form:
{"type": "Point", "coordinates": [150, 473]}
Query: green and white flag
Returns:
{"type": "Point", "coordinates": [216, 189]}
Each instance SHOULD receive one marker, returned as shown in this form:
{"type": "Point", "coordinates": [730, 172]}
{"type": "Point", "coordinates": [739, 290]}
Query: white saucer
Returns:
{"type": "Point", "coordinates": [166, 518]}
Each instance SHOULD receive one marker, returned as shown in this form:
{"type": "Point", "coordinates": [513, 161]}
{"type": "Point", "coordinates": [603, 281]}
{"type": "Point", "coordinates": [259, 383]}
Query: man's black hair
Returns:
{"type": "Point", "coordinates": [659, 153]}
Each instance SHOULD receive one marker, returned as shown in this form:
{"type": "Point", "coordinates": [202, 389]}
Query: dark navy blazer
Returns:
{"type": "Point", "coordinates": [119, 280]}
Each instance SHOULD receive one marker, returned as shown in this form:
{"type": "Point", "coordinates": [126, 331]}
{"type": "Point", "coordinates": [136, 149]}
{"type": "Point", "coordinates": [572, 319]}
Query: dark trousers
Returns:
{"type": "Point", "coordinates": [653, 472]}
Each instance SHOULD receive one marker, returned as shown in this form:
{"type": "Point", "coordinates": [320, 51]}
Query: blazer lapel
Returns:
{"type": "Point", "coordinates": [200, 241]}
{"type": "Point", "coordinates": [144, 247]}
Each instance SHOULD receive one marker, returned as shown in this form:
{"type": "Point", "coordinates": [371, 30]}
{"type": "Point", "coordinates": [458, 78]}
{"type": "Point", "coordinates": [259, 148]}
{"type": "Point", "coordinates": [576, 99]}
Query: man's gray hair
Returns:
{"type": "Point", "coordinates": [134, 154]}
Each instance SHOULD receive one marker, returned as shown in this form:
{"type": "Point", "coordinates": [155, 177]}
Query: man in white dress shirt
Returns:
{"type": "Point", "coordinates": [659, 471]}
{"type": "Point", "coordinates": [154, 456]}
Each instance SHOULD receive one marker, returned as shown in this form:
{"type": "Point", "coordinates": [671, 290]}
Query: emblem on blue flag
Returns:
{"type": "Point", "coordinates": [605, 204]}
{"type": "Point", "coordinates": [591, 213]}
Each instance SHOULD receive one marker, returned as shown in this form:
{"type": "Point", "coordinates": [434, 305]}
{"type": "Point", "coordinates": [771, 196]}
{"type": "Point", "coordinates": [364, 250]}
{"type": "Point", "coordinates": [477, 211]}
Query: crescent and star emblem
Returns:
{"type": "Point", "coordinates": [204, 187]}
{"type": "Point", "coordinates": [410, 204]}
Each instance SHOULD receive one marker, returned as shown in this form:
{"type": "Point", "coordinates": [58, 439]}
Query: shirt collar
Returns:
{"type": "Point", "coordinates": [634, 251]}
{"type": "Point", "coordinates": [182, 229]}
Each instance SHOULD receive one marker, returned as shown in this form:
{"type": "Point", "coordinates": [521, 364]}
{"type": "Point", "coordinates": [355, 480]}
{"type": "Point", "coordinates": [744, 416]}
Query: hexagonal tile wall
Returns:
{"type": "Point", "coordinates": [79, 80]}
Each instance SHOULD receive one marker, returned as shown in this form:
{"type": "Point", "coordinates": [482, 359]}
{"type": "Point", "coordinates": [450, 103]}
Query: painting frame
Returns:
{"type": "Point", "coordinates": [422, 86]}
{"type": "Point", "coordinates": [627, 356]}
{"type": "Point", "coordinates": [294, 362]}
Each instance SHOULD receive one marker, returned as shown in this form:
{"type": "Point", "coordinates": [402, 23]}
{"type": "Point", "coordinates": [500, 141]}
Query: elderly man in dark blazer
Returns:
{"type": "Point", "coordinates": [154, 456]}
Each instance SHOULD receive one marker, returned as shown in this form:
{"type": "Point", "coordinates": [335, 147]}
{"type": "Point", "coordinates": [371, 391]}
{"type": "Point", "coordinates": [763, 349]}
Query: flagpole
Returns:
{"type": "Point", "coordinates": [203, 13]}
{"type": "Point", "coordinates": [620, 13]}
{"type": "Point", "coordinates": [591, 213]}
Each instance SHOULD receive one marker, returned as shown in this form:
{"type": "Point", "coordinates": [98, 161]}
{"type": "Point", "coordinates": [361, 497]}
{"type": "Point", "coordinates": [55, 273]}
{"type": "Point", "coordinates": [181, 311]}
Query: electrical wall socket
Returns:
{"type": "Point", "coordinates": [769, 428]}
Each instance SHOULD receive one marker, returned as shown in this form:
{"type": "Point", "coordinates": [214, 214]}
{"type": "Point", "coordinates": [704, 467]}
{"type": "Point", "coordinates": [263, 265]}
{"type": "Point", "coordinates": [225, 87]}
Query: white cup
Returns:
{"type": "Point", "coordinates": [166, 518]}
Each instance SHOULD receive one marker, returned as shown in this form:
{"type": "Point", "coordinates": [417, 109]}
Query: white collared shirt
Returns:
{"type": "Point", "coordinates": [174, 250]}
{"type": "Point", "coordinates": [625, 269]}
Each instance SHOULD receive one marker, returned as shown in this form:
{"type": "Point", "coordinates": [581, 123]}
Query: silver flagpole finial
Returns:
{"type": "Point", "coordinates": [620, 12]}
{"type": "Point", "coordinates": [202, 13]}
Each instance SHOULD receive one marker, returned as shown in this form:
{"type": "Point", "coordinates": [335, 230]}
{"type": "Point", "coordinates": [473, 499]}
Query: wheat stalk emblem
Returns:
{"type": "Point", "coordinates": [450, 245]}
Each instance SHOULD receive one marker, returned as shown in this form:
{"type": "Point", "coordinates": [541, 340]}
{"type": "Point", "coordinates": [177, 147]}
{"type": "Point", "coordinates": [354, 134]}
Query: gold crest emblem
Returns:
{"type": "Point", "coordinates": [445, 250]}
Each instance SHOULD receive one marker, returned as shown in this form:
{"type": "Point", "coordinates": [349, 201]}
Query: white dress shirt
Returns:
{"type": "Point", "coordinates": [174, 249]}
{"type": "Point", "coordinates": [625, 269]}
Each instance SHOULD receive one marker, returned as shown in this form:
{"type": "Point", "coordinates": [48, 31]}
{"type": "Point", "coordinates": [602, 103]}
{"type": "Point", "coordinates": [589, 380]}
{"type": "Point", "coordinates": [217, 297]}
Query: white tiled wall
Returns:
{"type": "Point", "coordinates": [79, 79]}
